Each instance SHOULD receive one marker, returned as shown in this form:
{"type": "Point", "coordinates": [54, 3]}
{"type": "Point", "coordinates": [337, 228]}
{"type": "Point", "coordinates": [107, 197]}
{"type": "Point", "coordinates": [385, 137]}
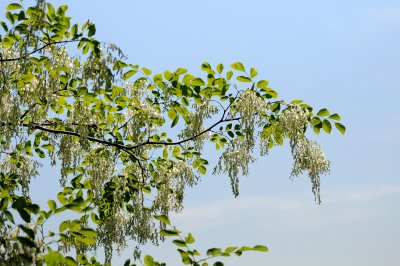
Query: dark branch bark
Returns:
{"type": "Point", "coordinates": [125, 147]}
{"type": "Point", "coordinates": [35, 51]}
{"type": "Point", "coordinates": [184, 140]}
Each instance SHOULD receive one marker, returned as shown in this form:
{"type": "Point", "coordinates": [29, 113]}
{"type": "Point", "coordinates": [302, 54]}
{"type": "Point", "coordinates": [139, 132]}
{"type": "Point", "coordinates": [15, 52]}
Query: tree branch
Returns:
{"type": "Point", "coordinates": [36, 50]}
{"type": "Point", "coordinates": [127, 148]}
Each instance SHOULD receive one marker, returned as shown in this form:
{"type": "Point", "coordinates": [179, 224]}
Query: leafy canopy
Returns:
{"type": "Point", "coordinates": [128, 141]}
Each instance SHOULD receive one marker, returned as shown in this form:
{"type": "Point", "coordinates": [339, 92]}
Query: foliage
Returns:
{"type": "Point", "coordinates": [128, 141]}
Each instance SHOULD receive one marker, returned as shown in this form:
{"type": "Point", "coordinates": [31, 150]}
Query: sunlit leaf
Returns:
{"type": "Point", "coordinates": [163, 218]}
{"type": "Point", "coordinates": [238, 66]}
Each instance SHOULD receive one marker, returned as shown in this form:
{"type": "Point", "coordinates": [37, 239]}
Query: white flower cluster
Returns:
{"type": "Point", "coordinates": [10, 66]}
{"type": "Point", "coordinates": [142, 115]}
{"type": "Point", "coordinates": [22, 166]}
{"type": "Point", "coordinates": [293, 121]}
{"type": "Point", "coordinates": [173, 178]}
{"type": "Point", "coordinates": [247, 105]}
{"type": "Point", "coordinates": [196, 124]}
{"type": "Point", "coordinates": [9, 108]}
{"type": "Point", "coordinates": [100, 167]}
{"type": "Point", "coordinates": [233, 161]}
{"type": "Point", "coordinates": [138, 225]}
{"type": "Point", "coordinates": [30, 87]}
{"type": "Point", "coordinates": [82, 117]}
{"type": "Point", "coordinates": [60, 58]}
{"type": "Point", "coordinates": [11, 249]}
{"type": "Point", "coordinates": [250, 108]}
{"type": "Point", "coordinates": [308, 156]}
{"type": "Point", "coordinates": [112, 231]}
{"type": "Point", "coordinates": [69, 152]}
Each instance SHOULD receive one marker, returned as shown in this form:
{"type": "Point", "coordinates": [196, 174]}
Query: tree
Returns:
{"type": "Point", "coordinates": [128, 141]}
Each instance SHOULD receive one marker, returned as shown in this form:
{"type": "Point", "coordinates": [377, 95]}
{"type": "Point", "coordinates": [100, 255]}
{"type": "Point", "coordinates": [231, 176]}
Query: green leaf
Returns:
{"type": "Point", "coordinates": [218, 263]}
{"type": "Point", "coordinates": [220, 68]}
{"type": "Point", "coordinates": [340, 127]}
{"type": "Point", "coordinates": [230, 249]}
{"type": "Point", "coordinates": [52, 204]}
{"type": "Point", "coordinates": [148, 260]}
{"type": "Point", "coordinates": [168, 232]}
{"type": "Point", "coordinates": [146, 71]}
{"type": "Point", "coordinates": [335, 117]}
{"type": "Point", "coordinates": [253, 72]}
{"type": "Point", "coordinates": [24, 215]}
{"type": "Point", "coordinates": [4, 203]}
{"type": "Point", "coordinates": [61, 198]}
{"type": "Point", "coordinates": [13, 6]}
{"type": "Point", "coordinates": [25, 78]}
{"type": "Point", "coordinates": [172, 114]}
{"type": "Point", "coordinates": [262, 84]}
{"type": "Point", "coordinates": [10, 17]}
{"type": "Point", "coordinates": [88, 232]}
{"type": "Point", "coordinates": [4, 193]}
{"type": "Point", "coordinates": [61, 209]}
{"type": "Point", "coordinates": [175, 121]}
{"type": "Point", "coordinates": [87, 240]}
{"type": "Point", "coordinates": [243, 79]}
{"type": "Point", "coordinates": [238, 66]}
{"type": "Point", "coordinates": [323, 112]}
{"type": "Point", "coordinates": [73, 207]}
{"type": "Point", "coordinates": [40, 153]}
{"type": "Point", "coordinates": [20, 203]}
{"type": "Point", "coordinates": [48, 147]}
{"type": "Point", "coordinates": [296, 101]}
{"type": "Point", "coordinates": [63, 226]}
{"type": "Point", "coordinates": [33, 208]}
{"type": "Point", "coordinates": [167, 75]}
{"type": "Point", "coordinates": [129, 74]}
{"type": "Point", "coordinates": [95, 218]}
{"type": "Point", "coordinates": [206, 67]}
{"type": "Point", "coordinates": [29, 232]}
{"type": "Point", "coordinates": [197, 82]}
{"type": "Point", "coordinates": [189, 239]}
{"type": "Point", "coordinates": [229, 75]}
{"type": "Point", "coordinates": [214, 251]}
{"type": "Point", "coordinates": [4, 25]}
{"type": "Point", "coordinates": [9, 216]}
{"type": "Point", "coordinates": [245, 248]}
{"type": "Point", "coordinates": [70, 261]}
{"type": "Point", "coordinates": [202, 170]}
{"type": "Point", "coordinates": [163, 218]}
{"type": "Point", "coordinates": [181, 71]}
{"type": "Point", "coordinates": [176, 151]}
{"type": "Point", "coordinates": [326, 125]}
{"type": "Point", "coordinates": [260, 248]}
{"type": "Point", "coordinates": [91, 30]}
{"type": "Point", "coordinates": [185, 101]}
{"type": "Point", "coordinates": [179, 243]}
{"type": "Point", "coordinates": [119, 65]}
{"type": "Point", "coordinates": [26, 242]}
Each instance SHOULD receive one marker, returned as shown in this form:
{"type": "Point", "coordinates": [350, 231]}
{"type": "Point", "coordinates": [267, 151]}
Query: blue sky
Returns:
{"type": "Point", "coordinates": [343, 55]}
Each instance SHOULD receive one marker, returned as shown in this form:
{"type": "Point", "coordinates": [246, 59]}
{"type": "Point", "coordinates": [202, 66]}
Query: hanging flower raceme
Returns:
{"type": "Point", "coordinates": [308, 156]}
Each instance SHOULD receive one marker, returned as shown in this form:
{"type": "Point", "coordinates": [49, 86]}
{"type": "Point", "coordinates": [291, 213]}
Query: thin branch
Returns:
{"type": "Point", "coordinates": [222, 120]}
{"type": "Point", "coordinates": [125, 147]}
{"type": "Point", "coordinates": [35, 51]}
{"type": "Point", "coordinates": [27, 111]}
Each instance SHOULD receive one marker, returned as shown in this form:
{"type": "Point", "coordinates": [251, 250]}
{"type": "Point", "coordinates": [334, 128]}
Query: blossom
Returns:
{"type": "Point", "coordinates": [233, 161]}
{"type": "Point", "coordinates": [308, 156]}
{"type": "Point", "coordinates": [293, 121]}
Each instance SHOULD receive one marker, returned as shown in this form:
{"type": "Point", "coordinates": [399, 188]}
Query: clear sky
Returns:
{"type": "Point", "coordinates": [343, 55]}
